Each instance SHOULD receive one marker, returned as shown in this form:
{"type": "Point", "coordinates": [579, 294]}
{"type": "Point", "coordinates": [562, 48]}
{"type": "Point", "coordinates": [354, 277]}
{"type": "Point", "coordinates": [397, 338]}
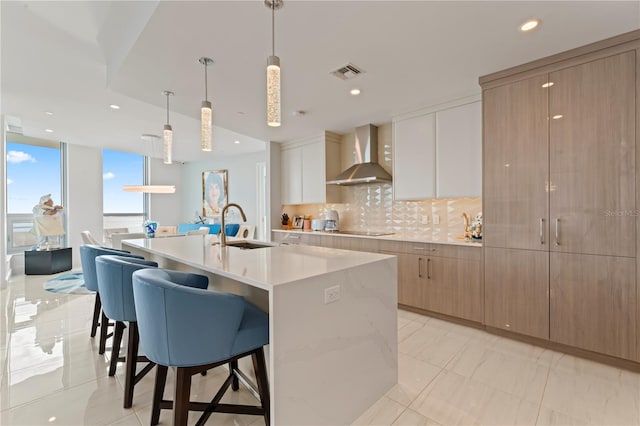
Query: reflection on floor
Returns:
{"type": "Point", "coordinates": [51, 373]}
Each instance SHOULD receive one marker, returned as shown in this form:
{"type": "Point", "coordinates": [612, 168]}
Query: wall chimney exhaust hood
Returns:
{"type": "Point", "coordinates": [366, 170]}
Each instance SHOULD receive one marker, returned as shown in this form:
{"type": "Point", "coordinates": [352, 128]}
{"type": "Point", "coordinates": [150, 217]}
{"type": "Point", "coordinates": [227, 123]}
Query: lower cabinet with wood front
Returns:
{"type": "Point", "coordinates": [450, 286]}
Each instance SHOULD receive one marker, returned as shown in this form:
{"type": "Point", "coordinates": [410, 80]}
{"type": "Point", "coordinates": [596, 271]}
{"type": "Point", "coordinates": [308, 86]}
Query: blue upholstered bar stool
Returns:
{"type": "Point", "coordinates": [185, 326]}
{"type": "Point", "coordinates": [116, 292]}
{"type": "Point", "coordinates": [88, 254]}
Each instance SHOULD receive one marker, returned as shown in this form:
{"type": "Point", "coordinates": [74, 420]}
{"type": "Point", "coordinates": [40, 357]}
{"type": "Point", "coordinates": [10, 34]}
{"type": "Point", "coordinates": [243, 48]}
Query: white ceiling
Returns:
{"type": "Point", "coordinates": [75, 58]}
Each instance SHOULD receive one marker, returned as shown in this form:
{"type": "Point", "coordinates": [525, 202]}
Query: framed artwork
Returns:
{"type": "Point", "coordinates": [298, 221]}
{"type": "Point", "coordinates": [214, 192]}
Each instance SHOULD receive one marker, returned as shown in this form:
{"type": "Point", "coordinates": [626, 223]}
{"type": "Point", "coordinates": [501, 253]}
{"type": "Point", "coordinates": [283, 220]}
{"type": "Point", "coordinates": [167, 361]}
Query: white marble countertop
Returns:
{"type": "Point", "coordinates": [393, 237]}
{"type": "Point", "coordinates": [263, 267]}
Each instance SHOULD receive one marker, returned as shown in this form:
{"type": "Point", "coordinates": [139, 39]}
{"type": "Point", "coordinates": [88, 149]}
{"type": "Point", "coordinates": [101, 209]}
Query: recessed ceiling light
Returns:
{"type": "Point", "coordinates": [114, 106]}
{"type": "Point", "coordinates": [236, 142]}
{"type": "Point", "coordinates": [355, 92]}
{"type": "Point", "coordinates": [549, 84]}
{"type": "Point", "coordinates": [529, 25]}
{"type": "Point", "coordinates": [48, 112]}
{"type": "Point", "coordinates": [556, 117]}
{"type": "Point", "coordinates": [48, 130]}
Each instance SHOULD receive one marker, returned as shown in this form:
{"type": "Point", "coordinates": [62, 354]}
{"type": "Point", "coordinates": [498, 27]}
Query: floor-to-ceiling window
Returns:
{"type": "Point", "coordinates": [34, 168]}
{"type": "Point", "coordinates": [122, 209]}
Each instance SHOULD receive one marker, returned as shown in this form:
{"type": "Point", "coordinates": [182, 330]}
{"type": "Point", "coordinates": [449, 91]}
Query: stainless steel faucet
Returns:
{"type": "Point", "coordinates": [223, 234]}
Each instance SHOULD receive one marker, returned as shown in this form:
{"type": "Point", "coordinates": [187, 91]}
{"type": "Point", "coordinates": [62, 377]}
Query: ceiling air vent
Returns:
{"type": "Point", "coordinates": [347, 72]}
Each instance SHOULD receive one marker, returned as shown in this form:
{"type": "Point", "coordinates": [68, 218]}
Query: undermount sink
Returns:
{"type": "Point", "coordinates": [247, 245]}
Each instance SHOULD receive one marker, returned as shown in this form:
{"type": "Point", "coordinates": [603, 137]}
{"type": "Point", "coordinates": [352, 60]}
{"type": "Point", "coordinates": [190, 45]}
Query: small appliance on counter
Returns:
{"type": "Point", "coordinates": [317, 224]}
{"type": "Point", "coordinates": [331, 221]}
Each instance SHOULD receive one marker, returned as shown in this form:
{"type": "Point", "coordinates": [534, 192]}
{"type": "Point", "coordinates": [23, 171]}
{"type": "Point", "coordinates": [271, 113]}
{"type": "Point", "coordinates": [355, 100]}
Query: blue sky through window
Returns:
{"type": "Point", "coordinates": [118, 169]}
{"type": "Point", "coordinates": [32, 171]}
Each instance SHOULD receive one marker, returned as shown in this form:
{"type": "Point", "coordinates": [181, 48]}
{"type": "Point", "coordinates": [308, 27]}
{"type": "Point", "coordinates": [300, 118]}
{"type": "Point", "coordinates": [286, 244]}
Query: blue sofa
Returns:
{"type": "Point", "coordinates": [231, 228]}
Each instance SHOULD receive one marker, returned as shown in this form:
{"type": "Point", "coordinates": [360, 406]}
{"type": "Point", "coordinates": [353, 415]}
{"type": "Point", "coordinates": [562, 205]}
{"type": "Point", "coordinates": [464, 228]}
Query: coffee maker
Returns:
{"type": "Point", "coordinates": [331, 221]}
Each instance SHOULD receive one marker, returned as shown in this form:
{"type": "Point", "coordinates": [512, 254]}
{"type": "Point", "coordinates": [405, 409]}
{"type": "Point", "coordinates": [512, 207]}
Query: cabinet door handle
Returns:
{"type": "Point", "coordinates": [428, 269]}
{"type": "Point", "coordinates": [419, 267]}
{"type": "Point", "coordinates": [542, 231]}
{"type": "Point", "coordinates": [557, 231]}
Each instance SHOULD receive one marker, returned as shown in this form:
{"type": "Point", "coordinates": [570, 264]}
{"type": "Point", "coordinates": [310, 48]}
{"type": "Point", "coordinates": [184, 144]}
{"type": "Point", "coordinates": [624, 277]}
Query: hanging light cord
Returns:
{"type": "Point", "coordinates": [273, 27]}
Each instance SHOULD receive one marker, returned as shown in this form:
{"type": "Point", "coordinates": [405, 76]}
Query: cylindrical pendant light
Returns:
{"type": "Point", "coordinates": [167, 134]}
{"type": "Point", "coordinates": [273, 71]}
{"type": "Point", "coordinates": [206, 113]}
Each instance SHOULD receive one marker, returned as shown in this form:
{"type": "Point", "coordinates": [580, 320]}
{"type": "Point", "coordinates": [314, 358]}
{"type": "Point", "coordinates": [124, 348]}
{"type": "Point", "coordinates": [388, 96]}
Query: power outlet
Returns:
{"type": "Point", "coordinates": [436, 219]}
{"type": "Point", "coordinates": [424, 220]}
{"type": "Point", "coordinates": [331, 294]}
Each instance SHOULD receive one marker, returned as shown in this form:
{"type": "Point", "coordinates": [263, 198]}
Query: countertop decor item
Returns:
{"type": "Point", "coordinates": [150, 227]}
{"type": "Point", "coordinates": [285, 221]}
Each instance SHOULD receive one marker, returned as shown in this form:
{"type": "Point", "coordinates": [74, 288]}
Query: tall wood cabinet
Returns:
{"type": "Point", "coordinates": [559, 189]}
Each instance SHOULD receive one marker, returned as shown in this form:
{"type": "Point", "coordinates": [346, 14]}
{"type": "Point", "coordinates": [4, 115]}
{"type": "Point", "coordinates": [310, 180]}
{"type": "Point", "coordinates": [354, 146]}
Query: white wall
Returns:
{"type": "Point", "coordinates": [84, 196]}
{"type": "Point", "coordinates": [241, 183]}
{"type": "Point", "coordinates": [166, 209]}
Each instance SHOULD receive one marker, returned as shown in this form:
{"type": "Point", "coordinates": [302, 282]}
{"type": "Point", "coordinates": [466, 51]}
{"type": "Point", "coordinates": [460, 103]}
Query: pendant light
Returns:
{"type": "Point", "coordinates": [167, 134]}
{"type": "Point", "coordinates": [150, 189]}
{"type": "Point", "coordinates": [205, 110]}
{"type": "Point", "coordinates": [273, 71]}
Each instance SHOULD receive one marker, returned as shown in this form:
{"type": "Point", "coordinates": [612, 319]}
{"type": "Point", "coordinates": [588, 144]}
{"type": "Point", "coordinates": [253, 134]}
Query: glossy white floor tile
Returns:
{"type": "Point", "coordinates": [448, 374]}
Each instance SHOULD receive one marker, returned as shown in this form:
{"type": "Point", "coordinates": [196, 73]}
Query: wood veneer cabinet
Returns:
{"type": "Point", "coordinates": [560, 198]}
{"type": "Point", "coordinates": [446, 285]}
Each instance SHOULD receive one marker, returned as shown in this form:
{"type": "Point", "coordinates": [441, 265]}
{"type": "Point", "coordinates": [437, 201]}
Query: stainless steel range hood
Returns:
{"type": "Point", "coordinates": [366, 169]}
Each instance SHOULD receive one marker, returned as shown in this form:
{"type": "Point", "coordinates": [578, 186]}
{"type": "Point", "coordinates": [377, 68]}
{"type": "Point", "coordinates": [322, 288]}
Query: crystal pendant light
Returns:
{"type": "Point", "coordinates": [205, 111]}
{"type": "Point", "coordinates": [273, 71]}
{"type": "Point", "coordinates": [167, 134]}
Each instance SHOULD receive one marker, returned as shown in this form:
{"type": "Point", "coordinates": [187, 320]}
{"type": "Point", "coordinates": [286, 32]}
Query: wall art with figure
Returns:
{"type": "Point", "coordinates": [214, 192]}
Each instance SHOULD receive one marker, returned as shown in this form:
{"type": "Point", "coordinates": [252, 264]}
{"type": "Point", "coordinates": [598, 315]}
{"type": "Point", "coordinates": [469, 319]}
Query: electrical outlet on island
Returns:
{"type": "Point", "coordinates": [436, 219]}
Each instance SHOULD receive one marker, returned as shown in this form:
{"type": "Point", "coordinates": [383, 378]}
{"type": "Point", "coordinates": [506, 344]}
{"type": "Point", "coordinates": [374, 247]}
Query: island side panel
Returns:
{"type": "Point", "coordinates": [330, 362]}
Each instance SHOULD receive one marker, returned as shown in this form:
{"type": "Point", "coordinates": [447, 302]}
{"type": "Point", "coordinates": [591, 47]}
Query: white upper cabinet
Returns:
{"type": "Point", "coordinates": [414, 154]}
{"type": "Point", "coordinates": [305, 167]}
{"type": "Point", "coordinates": [459, 151]}
{"type": "Point", "coordinates": [437, 153]}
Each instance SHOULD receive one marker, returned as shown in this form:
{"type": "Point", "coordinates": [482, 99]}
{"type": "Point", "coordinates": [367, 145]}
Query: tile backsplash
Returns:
{"type": "Point", "coordinates": [372, 208]}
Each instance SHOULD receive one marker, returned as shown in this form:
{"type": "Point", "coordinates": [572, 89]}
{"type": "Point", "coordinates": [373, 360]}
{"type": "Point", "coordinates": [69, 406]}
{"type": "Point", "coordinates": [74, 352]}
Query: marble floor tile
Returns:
{"type": "Point", "coordinates": [51, 373]}
{"type": "Point", "coordinates": [594, 395]}
{"type": "Point", "coordinates": [413, 376]}
{"type": "Point", "coordinates": [409, 329]}
{"type": "Point", "coordinates": [384, 412]}
{"type": "Point", "coordinates": [548, 417]}
{"type": "Point", "coordinates": [433, 344]}
{"type": "Point", "coordinates": [411, 418]}
{"type": "Point", "coordinates": [452, 399]}
{"type": "Point", "coordinates": [95, 403]}
{"type": "Point", "coordinates": [510, 374]}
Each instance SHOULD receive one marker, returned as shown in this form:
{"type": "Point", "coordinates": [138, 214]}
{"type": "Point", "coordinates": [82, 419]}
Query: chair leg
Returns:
{"type": "Point", "coordinates": [97, 308]}
{"type": "Point", "coordinates": [182, 392]}
{"type": "Point", "coordinates": [260, 368]}
{"type": "Point", "coordinates": [235, 384]}
{"type": "Point", "coordinates": [104, 329]}
{"type": "Point", "coordinates": [115, 350]}
{"type": "Point", "coordinates": [131, 362]}
{"type": "Point", "coordinates": [158, 393]}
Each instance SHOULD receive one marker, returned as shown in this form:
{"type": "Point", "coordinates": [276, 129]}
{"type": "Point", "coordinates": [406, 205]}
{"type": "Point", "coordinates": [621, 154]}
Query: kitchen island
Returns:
{"type": "Point", "coordinates": [332, 319]}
